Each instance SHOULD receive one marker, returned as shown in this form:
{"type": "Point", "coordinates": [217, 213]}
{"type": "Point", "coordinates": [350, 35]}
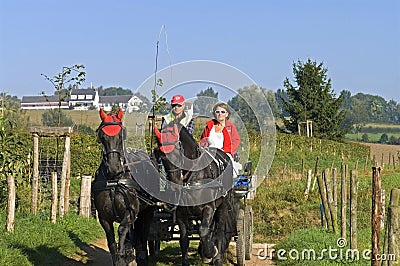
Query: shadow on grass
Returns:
{"type": "Point", "coordinates": [41, 255]}
{"type": "Point", "coordinates": [171, 255]}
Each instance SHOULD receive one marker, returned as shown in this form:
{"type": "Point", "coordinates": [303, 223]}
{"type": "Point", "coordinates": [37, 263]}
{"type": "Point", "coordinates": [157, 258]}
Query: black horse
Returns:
{"type": "Point", "coordinates": [116, 196]}
{"type": "Point", "coordinates": [203, 179]}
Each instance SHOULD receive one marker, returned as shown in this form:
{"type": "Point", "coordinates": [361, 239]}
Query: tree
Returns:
{"type": "Point", "coordinates": [279, 95]}
{"type": "Point", "coordinates": [205, 101]}
{"type": "Point", "coordinates": [10, 109]}
{"type": "Point", "coordinates": [313, 99]}
{"type": "Point", "coordinates": [114, 91]}
{"type": "Point", "coordinates": [56, 118]}
{"type": "Point", "coordinates": [71, 76]}
{"type": "Point", "coordinates": [384, 138]}
{"type": "Point", "coordinates": [365, 138]}
{"type": "Point", "coordinates": [244, 109]}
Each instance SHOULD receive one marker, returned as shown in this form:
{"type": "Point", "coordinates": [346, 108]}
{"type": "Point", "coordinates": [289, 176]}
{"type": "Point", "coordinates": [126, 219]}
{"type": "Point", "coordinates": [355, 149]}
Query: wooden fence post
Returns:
{"type": "Point", "coordinates": [284, 171]}
{"type": "Point", "coordinates": [394, 162]}
{"type": "Point", "coordinates": [382, 209]}
{"type": "Point", "coordinates": [84, 202]}
{"type": "Point", "coordinates": [334, 188]}
{"type": "Point", "coordinates": [54, 197]}
{"type": "Point", "coordinates": [366, 163]}
{"type": "Point", "coordinates": [322, 192]}
{"type": "Point", "coordinates": [329, 194]}
{"type": "Point", "coordinates": [315, 173]}
{"type": "Point", "coordinates": [392, 234]}
{"type": "Point", "coordinates": [308, 184]}
{"type": "Point", "coordinates": [35, 180]}
{"type": "Point", "coordinates": [64, 176]}
{"type": "Point", "coordinates": [376, 208]}
{"type": "Point", "coordinates": [343, 197]}
{"type": "Point", "coordinates": [10, 203]}
{"type": "Point", "coordinates": [353, 209]}
{"type": "Point", "coordinates": [67, 182]}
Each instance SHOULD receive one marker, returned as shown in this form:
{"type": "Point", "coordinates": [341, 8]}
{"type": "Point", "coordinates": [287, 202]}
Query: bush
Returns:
{"type": "Point", "coordinates": [364, 137]}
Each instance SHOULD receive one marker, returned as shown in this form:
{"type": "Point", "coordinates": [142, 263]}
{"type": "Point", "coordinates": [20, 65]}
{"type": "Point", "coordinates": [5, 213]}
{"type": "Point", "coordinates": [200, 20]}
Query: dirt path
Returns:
{"type": "Point", "coordinates": [97, 254]}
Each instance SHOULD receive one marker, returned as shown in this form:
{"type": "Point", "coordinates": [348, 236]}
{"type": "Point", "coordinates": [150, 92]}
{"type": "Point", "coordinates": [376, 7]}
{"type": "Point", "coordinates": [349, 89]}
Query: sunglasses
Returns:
{"type": "Point", "coordinates": [177, 105]}
{"type": "Point", "coordinates": [220, 111]}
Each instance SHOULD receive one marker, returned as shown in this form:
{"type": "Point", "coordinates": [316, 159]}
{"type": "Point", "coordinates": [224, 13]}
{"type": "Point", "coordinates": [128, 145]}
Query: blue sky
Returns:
{"type": "Point", "coordinates": [358, 41]}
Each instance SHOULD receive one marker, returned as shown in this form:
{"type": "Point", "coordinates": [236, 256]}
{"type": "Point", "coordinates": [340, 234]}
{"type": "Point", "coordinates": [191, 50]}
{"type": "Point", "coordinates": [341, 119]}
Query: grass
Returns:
{"type": "Point", "coordinates": [36, 241]}
{"type": "Point", "coordinates": [372, 137]}
{"type": "Point", "coordinates": [317, 238]}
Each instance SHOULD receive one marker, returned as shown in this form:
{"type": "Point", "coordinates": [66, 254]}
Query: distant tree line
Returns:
{"type": "Point", "coordinates": [308, 96]}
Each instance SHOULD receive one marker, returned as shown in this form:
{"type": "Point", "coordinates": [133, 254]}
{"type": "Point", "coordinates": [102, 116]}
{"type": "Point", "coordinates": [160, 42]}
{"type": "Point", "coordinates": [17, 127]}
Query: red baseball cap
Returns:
{"type": "Point", "coordinates": [177, 99]}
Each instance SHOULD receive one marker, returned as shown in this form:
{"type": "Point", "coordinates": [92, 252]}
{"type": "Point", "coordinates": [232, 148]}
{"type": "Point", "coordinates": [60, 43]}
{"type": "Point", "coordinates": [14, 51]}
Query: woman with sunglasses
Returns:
{"type": "Point", "coordinates": [220, 133]}
{"type": "Point", "coordinates": [179, 114]}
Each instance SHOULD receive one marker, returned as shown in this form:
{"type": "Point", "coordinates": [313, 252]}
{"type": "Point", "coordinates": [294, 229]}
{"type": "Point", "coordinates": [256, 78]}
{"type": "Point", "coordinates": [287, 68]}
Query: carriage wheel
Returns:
{"type": "Point", "coordinates": [154, 247]}
{"type": "Point", "coordinates": [240, 242]}
{"type": "Point", "coordinates": [248, 227]}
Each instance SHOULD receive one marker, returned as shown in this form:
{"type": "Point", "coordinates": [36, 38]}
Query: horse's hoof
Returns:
{"type": "Point", "coordinates": [206, 260]}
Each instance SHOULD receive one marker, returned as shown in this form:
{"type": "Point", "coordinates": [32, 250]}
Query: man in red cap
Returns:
{"type": "Point", "coordinates": [179, 114]}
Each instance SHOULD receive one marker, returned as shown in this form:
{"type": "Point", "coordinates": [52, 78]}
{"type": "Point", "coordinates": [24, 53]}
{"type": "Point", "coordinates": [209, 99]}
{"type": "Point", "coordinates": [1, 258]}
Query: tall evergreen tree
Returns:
{"type": "Point", "coordinates": [313, 99]}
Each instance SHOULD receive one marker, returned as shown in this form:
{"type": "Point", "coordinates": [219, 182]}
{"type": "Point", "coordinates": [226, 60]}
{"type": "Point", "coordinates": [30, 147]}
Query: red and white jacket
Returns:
{"type": "Point", "coordinates": [231, 136]}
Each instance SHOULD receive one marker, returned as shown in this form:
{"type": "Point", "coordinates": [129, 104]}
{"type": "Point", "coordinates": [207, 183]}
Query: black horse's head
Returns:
{"type": "Point", "coordinates": [181, 154]}
{"type": "Point", "coordinates": [110, 134]}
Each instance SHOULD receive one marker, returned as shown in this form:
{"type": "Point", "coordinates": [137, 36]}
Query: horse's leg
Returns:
{"type": "Point", "coordinates": [208, 249]}
{"type": "Point", "coordinates": [222, 234]}
{"type": "Point", "coordinates": [123, 230]}
{"type": "Point", "coordinates": [141, 233]}
{"type": "Point", "coordinates": [109, 230]}
{"type": "Point", "coordinates": [184, 240]}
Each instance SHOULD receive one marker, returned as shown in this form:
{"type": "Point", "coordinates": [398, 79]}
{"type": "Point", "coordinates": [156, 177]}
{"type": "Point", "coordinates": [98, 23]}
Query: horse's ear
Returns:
{"type": "Point", "coordinates": [120, 114]}
{"type": "Point", "coordinates": [102, 114]}
{"type": "Point", "coordinates": [157, 132]}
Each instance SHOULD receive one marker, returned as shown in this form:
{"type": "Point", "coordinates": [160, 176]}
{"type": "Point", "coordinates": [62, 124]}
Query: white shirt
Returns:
{"type": "Point", "coordinates": [215, 139]}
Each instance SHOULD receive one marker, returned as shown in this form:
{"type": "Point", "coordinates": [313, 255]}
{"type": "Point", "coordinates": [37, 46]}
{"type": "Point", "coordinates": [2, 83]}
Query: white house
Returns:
{"type": "Point", "coordinates": [128, 103]}
{"type": "Point", "coordinates": [42, 102]}
{"type": "Point", "coordinates": [83, 99]}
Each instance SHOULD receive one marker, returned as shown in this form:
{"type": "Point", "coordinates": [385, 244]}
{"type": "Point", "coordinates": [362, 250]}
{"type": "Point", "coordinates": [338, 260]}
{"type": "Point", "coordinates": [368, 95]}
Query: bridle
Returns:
{"type": "Point", "coordinates": [107, 152]}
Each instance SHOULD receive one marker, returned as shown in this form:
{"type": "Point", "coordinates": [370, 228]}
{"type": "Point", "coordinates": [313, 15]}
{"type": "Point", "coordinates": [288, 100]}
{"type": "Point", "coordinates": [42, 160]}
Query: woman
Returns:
{"type": "Point", "coordinates": [222, 134]}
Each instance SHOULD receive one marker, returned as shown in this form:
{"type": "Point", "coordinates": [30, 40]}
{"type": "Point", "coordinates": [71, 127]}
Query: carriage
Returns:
{"type": "Point", "coordinates": [129, 189]}
{"type": "Point", "coordinates": [163, 227]}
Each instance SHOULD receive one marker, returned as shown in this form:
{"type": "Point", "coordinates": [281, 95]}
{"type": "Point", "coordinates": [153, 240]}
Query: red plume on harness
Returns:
{"type": "Point", "coordinates": [111, 123]}
{"type": "Point", "coordinates": [167, 138]}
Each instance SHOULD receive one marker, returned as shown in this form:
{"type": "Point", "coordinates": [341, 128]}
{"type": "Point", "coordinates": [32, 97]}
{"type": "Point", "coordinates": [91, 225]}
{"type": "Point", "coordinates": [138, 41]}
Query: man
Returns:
{"type": "Point", "coordinates": [179, 114]}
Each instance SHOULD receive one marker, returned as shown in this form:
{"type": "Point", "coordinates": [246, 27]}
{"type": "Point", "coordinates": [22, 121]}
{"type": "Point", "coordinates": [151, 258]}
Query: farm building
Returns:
{"type": "Point", "coordinates": [83, 99]}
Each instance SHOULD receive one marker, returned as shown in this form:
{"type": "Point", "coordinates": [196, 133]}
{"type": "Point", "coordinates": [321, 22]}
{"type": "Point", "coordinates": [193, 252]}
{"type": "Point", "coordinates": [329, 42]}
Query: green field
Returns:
{"type": "Point", "coordinates": [375, 131]}
{"type": "Point", "coordinates": [372, 137]}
